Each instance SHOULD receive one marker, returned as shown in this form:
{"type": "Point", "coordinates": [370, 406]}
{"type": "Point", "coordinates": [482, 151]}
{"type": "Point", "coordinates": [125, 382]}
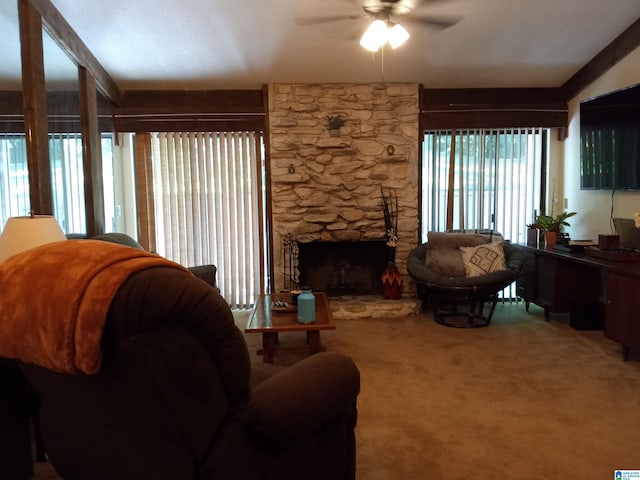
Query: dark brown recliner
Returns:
{"type": "Point", "coordinates": [16, 406]}
{"type": "Point", "coordinates": [205, 272]}
{"type": "Point", "coordinates": [173, 401]}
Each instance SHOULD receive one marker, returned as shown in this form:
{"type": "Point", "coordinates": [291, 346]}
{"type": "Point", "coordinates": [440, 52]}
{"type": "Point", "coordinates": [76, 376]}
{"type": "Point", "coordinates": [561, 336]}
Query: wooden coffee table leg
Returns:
{"type": "Point", "coordinates": [269, 342]}
{"type": "Point", "coordinates": [313, 340]}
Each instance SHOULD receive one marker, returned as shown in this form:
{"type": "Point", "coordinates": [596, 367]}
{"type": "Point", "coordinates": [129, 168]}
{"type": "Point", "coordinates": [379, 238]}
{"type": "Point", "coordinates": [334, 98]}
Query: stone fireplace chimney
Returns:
{"type": "Point", "coordinates": [327, 188]}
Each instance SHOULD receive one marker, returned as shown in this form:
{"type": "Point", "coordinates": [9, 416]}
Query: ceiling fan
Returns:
{"type": "Point", "coordinates": [384, 26]}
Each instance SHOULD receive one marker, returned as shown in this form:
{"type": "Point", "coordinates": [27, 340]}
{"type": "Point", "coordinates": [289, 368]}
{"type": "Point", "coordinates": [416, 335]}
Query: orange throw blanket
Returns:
{"type": "Point", "coordinates": [54, 300]}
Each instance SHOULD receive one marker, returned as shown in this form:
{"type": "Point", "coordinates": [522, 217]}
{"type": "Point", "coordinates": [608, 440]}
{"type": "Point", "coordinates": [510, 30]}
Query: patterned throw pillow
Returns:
{"type": "Point", "coordinates": [483, 259]}
{"type": "Point", "coordinates": [443, 252]}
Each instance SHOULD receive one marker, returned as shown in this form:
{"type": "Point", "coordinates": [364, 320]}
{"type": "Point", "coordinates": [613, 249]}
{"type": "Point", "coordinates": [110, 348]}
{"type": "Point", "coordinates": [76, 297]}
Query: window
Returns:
{"type": "Point", "coordinates": [482, 179]}
{"type": "Point", "coordinates": [67, 181]}
{"type": "Point", "coordinates": [495, 183]}
{"type": "Point", "coordinates": [67, 178]}
{"type": "Point", "coordinates": [205, 204]}
{"type": "Point", "coordinates": [14, 177]}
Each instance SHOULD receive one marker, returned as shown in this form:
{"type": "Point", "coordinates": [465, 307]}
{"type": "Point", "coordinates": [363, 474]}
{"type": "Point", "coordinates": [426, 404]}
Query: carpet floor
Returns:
{"type": "Point", "coordinates": [521, 399]}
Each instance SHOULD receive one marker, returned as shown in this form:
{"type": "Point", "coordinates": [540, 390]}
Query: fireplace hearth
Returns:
{"type": "Point", "coordinates": [343, 268]}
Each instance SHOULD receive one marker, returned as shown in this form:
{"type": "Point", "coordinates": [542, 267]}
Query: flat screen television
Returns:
{"type": "Point", "coordinates": [610, 141]}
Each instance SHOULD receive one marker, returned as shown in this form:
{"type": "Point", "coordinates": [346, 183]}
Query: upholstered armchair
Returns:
{"type": "Point", "coordinates": [206, 272]}
{"type": "Point", "coordinates": [153, 380]}
{"type": "Point", "coordinates": [467, 269]}
{"type": "Point", "coordinates": [16, 407]}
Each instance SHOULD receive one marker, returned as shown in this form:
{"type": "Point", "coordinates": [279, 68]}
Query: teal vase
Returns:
{"type": "Point", "coordinates": [306, 306]}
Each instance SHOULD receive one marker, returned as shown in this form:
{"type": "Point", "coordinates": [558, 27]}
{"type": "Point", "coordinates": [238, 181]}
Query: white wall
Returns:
{"type": "Point", "coordinates": [593, 206]}
{"type": "Point", "coordinates": [126, 212]}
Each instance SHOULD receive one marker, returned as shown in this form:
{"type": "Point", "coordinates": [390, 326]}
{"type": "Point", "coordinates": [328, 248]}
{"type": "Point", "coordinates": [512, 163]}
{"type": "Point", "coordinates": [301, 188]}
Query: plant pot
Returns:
{"type": "Point", "coordinates": [550, 239]}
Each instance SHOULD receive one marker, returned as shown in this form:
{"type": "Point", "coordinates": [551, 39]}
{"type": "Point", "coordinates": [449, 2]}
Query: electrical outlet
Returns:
{"type": "Point", "coordinates": [566, 203]}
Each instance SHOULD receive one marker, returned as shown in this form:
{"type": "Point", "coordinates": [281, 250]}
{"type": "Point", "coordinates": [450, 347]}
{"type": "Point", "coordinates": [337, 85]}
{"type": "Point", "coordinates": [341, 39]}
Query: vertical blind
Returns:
{"type": "Point", "coordinates": [495, 182]}
{"type": "Point", "coordinates": [67, 179]}
{"type": "Point", "coordinates": [14, 177]}
{"type": "Point", "coordinates": [482, 179]}
{"type": "Point", "coordinates": [205, 197]}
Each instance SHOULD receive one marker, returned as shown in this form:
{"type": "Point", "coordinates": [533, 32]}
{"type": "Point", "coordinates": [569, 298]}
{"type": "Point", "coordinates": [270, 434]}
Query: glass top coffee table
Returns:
{"type": "Point", "coordinates": [269, 320]}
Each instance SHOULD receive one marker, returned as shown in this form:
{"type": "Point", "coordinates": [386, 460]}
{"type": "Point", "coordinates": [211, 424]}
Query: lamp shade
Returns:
{"type": "Point", "coordinates": [23, 233]}
{"type": "Point", "coordinates": [375, 36]}
{"type": "Point", "coordinates": [397, 35]}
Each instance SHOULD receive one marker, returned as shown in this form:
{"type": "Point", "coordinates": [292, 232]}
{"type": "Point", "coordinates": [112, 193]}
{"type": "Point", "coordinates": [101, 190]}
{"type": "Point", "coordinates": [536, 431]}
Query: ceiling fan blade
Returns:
{"type": "Point", "coordinates": [432, 21]}
{"type": "Point", "coordinates": [431, 2]}
{"type": "Point", "coordinates": [401, 6]}
{"type": "Point", "coordinates": [326, 19]}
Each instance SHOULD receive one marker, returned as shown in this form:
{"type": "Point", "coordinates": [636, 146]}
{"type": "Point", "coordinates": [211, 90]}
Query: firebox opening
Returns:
{"type": "Point", "coordinates": [343, 268]}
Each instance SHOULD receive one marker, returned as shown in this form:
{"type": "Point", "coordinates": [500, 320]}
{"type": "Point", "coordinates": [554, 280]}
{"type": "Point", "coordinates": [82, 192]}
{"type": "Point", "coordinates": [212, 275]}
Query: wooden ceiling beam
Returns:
{"type": "Point", "coordinates": [146, 102]}
{"type": "Point", "coordinates": [492, 99]}
{"type": "Point", "coordinates": [71, 43]}
{"type": "Point", "coordinates": [448, 108]}
{"type": "Point", "coordinates": [35, 109]}
{"type": "Point", "coordinates": [624, 44]}
{"type": "Point", "coordinates": [11, 102]}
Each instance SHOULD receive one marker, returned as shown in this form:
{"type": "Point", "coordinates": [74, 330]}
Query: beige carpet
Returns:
{"type": "Point", "coordinates": [521, 399]}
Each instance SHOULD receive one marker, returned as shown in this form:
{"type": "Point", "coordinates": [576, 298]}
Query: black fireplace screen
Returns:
{"type": "Point", "coordinates": [343, 268]}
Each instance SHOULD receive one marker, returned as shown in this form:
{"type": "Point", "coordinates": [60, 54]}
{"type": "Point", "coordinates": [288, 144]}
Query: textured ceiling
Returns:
{"type": "Point", "coordinates": [211, 44]}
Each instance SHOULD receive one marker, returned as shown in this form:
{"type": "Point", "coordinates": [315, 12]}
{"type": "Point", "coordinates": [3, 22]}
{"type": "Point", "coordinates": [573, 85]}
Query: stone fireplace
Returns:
{"type": "Point", "coordinates": [343, 268]}
{"type": "Point", "coordinates": [327, 189]}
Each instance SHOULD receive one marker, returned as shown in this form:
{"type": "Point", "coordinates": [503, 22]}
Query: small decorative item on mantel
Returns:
{"type": "Point", "coordinates": [334, 123]}
{"type": "Point", "coordinates": [391, 278]}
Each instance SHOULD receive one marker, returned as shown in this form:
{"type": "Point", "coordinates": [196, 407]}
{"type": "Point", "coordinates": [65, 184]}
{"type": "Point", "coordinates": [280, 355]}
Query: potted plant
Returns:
{"type": "Point", "coordinates": [552, 226]}
{"type": "Point", "coordinates": [334, 123]}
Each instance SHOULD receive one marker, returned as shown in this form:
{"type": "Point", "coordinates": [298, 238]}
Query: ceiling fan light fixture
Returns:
{"type": "Point", "coordinates": [397, 35]}
{"type": "Point", "coordinates": [375, 36]}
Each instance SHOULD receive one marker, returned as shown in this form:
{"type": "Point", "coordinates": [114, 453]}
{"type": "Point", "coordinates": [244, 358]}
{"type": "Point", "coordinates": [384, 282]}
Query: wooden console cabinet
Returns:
{"type": "Point", "coordinates": [622, 322]}
{"type": "Point", "coordinates": [558, 281]}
